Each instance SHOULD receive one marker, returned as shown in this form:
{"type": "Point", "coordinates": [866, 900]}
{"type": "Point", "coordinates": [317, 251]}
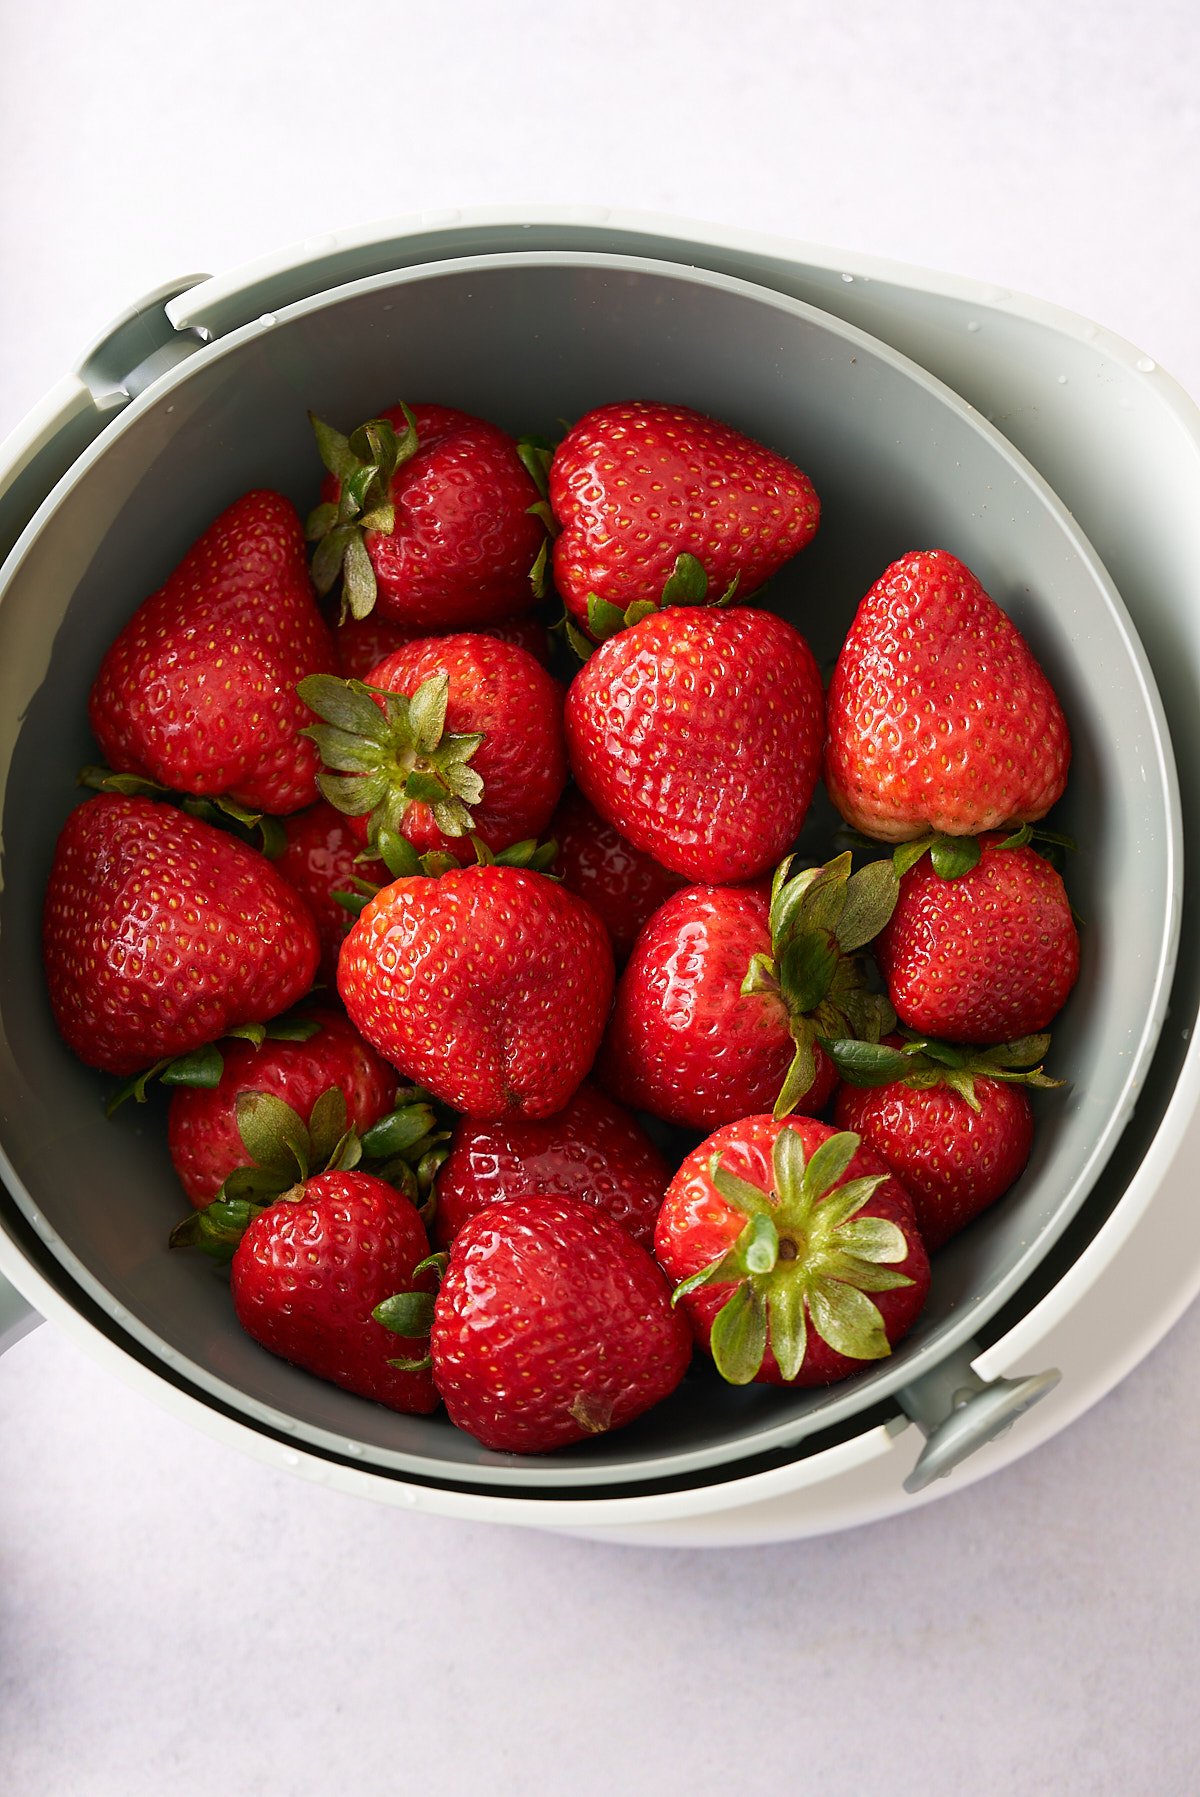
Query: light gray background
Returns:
{"type": "Point", "coordinates": [177, 1619]}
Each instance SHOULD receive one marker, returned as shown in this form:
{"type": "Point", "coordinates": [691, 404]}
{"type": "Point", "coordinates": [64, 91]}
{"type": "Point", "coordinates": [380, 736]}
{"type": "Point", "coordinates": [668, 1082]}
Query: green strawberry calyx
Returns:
{"type": "Point", "coordinates": [820, 919]}
{"type": "Point", "coordinates": [536, 455]}
{"type": "Point", "coordinates": [403, 863]}
{"type": "Point", "coordinates": [805, 1258]}
{"type": "Point", "coordinates": [380, 758]}
{"type": "Point", "coordinates": [687, 584]}
{"type": "Point", "coordinates": [953, 856]}
{"type": "Point", "coordinates": [257, 828]}
{"type": "Point", "coordinates": [921, 1064]}
{"type": "Point", "coordinates": [410, 1314]}
{"type": "Point", "coordinates": [405, 1148]}
{"type": "Point", "coordinates": [204, 1066]}
{"type": "Point", "coordinates": [363, 465]}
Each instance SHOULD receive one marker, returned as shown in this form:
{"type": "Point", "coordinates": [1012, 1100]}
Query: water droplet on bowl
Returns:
{"type": "Point", "coordinates": [1146, 365]}
{"type": "Point", "coordinates": [290, 1459]}
{"type": "Point", "coordinates": [974, 325]}
{"type": "Point", "coordinates": [1062, 380]}
{"type": "Point", "coordinates": [847, 277]}
{"type": "Point", "coordinates": [268, 318]}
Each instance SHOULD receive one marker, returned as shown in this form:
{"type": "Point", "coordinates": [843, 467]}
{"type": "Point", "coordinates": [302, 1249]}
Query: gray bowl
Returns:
{"type": "Point", "coordinates": [900, 463]}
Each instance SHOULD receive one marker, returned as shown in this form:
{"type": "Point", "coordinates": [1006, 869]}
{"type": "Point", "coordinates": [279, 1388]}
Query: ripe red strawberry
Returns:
{"type": "Point", "coordinates": [360, 644]}
{"type": "Point", "coordinates": [552, 1325]}
{"type": "Point", "coordinates": [198, 692]}
{"type": "Point", "coordinates": [479, 748]}
{"type": "Point", "coordinates": [698, 735]}
{"type": "Point", "coordinates": [774, 1233]}
{"type": "Point", "coordinates": [718, 1012]}
{"type": "Point", "coordinates": [988, 956]}
{"type": "Point", "coordinates": [489, 987]}
{"type": "Point", "coordinates": [310, 1271]}
{"type": "Point", "coordinates": [624, 885]}
{"type": "Point", "coordinates": [202, 1123]}
{"type": "Point", "coordinates": [321, 860]}
{"type": "Point", "coordinates": [940, 718]}
{"type": "Point", "coordinates": [638, 485]}
{"type": "Point", "coordinates": [161, 933]}
{"type": "Point", "coordinates": [954, 1125]}
{"type": "Point", "coordinates": [432, 516]}
{"type": "Point", "coordinates": [592, 1150]}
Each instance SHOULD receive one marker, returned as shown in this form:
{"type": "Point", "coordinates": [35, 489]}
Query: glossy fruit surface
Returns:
{"type": "Point", "coordinates": [198, 692]}
{"type": "Point", "coordinates": [360, 644]}
{"type": "Point", "coordinates": [202, 1126]}
{"type": "Point", "coordinates": [637, 484]}
{"type": "Point", "coordinates": [622, 884]}
{"type": "Point", "coordinates": [592, 1150]}
{"type": "Point", "coordinates": [160, 933]}
{"type": "Point", "coordinates": [698, 735]}
{"type": "Point", "coordinates": [989, 956]}
{"type": "Point", "coordinates": [321, 859]}
{"type": "Point", "coordinates": [552, 1325]}
{"type": "Point", "coordinates": [489, 987]}
{"type": "Point", "coordinates": [940, 717]}
{"type": "Point", "coordinates": [309, 1271]}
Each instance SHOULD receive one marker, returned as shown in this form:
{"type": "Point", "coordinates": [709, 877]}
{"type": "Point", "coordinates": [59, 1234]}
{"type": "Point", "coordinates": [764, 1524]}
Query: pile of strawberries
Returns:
{"type": "Point", "coordinates": [513, 1050]}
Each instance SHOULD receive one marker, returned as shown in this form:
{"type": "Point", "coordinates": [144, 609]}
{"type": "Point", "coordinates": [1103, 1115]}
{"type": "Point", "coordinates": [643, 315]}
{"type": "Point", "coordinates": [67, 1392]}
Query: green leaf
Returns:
{"type": "Point", "coordinates": [134, 1088]}
{"type": "Point", "coordinates": [536, 454]}
{"type": "Point", "coordinates": [798, 1078]}
{"type": "Point", "coordinates": [329, 556]}
{"type": "Point", "coordinates": [866, 1063]}
{"type": "Point", "coordinates": [603, 620]}
{"type": "Point", "coordinates": [359, 577]}
{"type": "Point", "coordinates": [725, 1270]}
{"type": "Point", "coordinates": [254, 1183]}
{"type": "Point", "coordinates": [806, 966]}
{"type": "Point", "coordinates": [1025, 1051]}
{"type": "Point", "coordinates": [403, 1364]}
{"type": "Point", "coordinates": [398, 855]}
{"type": "Point", "coordinates": [217, 1229]}
{"type": "Point", "coordinates": [759, 1244]}
{"type": "Point", "coordinates": [953, 856]}
{"type": "Point", "coordinates": [353, 794]}
{"type": "Point", "coordinates": [787, 1329]}
{"type": "Point", "coordinates": [864, 1275]}
{"type": "Point", "coordinates": [346, 704]}
{"type": "Point", "coordinates": [847, 1320]}
{"type": "Point", "coordinates": [407, 1313]}
{"type": "Point", "coordinates": [876, 1239]}
{"type": "Point", "coordinates": [749, 1199]}
{"type": "Point", "coordinates": [272, 1133]}
{"type": "Point", "coordinates": [827, 1165]}
{"type": "Point", "coordinates": [537, 573]}
{"type": "Point", "coordinates": [846, 1200]}
{"type": "Point", "coordinates": [871, 896]}
{"type": "Point", "coordinates": [399, 1131]}
{"type": "Point", "coordinates": [327, 1125]}
{"type": "Point", "coordinates": [687, 584]}
{"type": "Point", "coordinates": [907, 854]}
{"type": "Point", "coordinates": [739, 1336]}
{"type": "Point", "coordinates": [333, 448]}
{"type": "Point", "coordinates": [203, 1067]}
{"type": "Point", "coordinates": [788, 1170]}
{"type": "Point", "coordinates": [427, 712]}
{"type": "Point", "coordinates": [760, 977]}
{"type": "Point", "coordinates": [320, 521]}
{"type": "Point", "coordinates": [641, 608]}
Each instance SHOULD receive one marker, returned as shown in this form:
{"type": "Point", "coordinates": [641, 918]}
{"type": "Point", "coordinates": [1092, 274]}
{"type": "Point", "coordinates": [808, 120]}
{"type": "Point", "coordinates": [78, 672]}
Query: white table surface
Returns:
{"type": "Point", "coordinates": [175, 1618]}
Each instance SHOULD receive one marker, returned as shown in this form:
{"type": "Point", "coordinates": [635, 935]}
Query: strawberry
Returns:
{"type": "Point", "coordinates": [552, 1325]}
{"type": "Point", "coordinates": [774, 1233]}
{"type": "Point", "coordinates": [622, 884]}
{"type": "Point", "coordinates": [987, 956]}
{"type": "Point", "coordinates": [321, 859]}
{"type": "Point", "coordinates": [472, 741]}
{"type": "Point", "coordinates": [592, 1150]}
{"type": "Point", "coordinates": [953, 1124]}
{"type": "Point", "coordinates": [718, 1013]}
{"type": "Point", "coordinates": [203, 1136]}
{"type": "Point", "coordinates": [489, 987]}
{"type": "Point", "coordinates": [360, 644]}
{"type": "Point", "coordinates": [431, 515]}
{"type": "Point", "coordinates": [311, 1270]}
{"type": "Point", "coordinates": [653, 497]}
{"type": "Point", "coordinates": [198, 692]}
{"type": "Point", "coordinates": [940, 718]}
{"type": "Point", "coordinates": [698, 735]}
{"type": "Point", "coordinates": [161, 933]}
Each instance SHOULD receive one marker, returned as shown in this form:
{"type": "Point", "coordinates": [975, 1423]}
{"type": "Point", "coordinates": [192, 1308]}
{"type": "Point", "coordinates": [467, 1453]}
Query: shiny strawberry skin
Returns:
{"type": "Point", "coordinates": [988, 957]}
{"type": "Point", "coordinates": [698, 735]}
{"type": "Point", "coordinates": [360, 644]}
{"type": "Point", "coordinates": [160, 933]}
{"type": "Point", "coordinates": [489, 987]}
{"type": "Point", "coordinates": [636, 484]}
{"type": "Point", "coordinates": [696, 1226]}
{"type": "Point", "coordinates": [940, 717]}
{"type": "Point", "coordinates": [504, 694]}
{"type": "Point", "coordinates": [623, 884]}
{"type": "Point", "coordinates": [202, 1131]}
{"type": "Point", "coordinates": [951, 1160]}
{"type": "Point", "coordinates": [591, 1150]}
{"type": "Point", "coordinates": [464, 540]}
{"type": "Point", "coordinates": [309, 1271]}
{"type": "Point", "coordinates": [533, 1291]}
{"type": "Point", "coordinates": [682, 1041]}
{"type": "Point", "coordinates": [199, 690]}
{"type": "Point", "coordinates": [321, 859]}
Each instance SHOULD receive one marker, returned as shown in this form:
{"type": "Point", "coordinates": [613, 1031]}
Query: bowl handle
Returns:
{"type": "Point", "coordinates": [958, 1411]}
{"type": "Point", "coordinates": [17, 1317]}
